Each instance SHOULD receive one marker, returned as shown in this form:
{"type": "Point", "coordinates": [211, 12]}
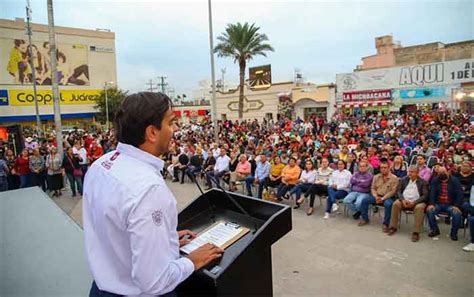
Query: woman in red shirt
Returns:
{"type": "Point", "coordinates": [22, 168]}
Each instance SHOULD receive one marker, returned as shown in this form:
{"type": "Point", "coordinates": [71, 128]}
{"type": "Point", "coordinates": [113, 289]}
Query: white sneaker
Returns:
{"type": "Point", "coordinates": [326, 215]}
{"type": "Point", "coordinates": [335, 207]}
{"type": "Point", "coordinates": [469, 248]}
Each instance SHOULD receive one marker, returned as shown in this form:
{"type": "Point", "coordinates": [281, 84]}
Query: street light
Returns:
{"type": "Point", "coordinates": [106, 84]}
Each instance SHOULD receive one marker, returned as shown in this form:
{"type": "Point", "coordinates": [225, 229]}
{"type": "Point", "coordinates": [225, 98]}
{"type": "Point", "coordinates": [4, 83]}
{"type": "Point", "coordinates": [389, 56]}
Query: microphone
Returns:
{"type": "Point", "coordinates": [214, 180]}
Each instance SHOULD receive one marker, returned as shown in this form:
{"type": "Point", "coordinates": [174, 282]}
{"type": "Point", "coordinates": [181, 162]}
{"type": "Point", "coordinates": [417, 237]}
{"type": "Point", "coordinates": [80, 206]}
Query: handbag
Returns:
{"type": "Point", "coordinates": [75, 171]}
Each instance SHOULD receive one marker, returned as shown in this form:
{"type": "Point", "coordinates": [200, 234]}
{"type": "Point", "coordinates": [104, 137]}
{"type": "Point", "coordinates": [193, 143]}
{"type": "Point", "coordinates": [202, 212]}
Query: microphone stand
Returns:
{"type": "Point", "coordinates": [214, 180]}
{"type": "Point", "coordinates": [211, 206]}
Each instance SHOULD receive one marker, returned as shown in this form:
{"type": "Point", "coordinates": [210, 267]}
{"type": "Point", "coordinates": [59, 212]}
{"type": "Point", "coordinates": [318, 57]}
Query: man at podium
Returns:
{"type": "Point", "coordinates": [130, 216]}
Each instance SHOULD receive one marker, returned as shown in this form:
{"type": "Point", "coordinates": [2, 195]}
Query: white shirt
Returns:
{"type": "Point", "coordinates": [342, 179]}
{"type": "Point", "coordinates": [222, 163]}
{"type": "Point", "coordinates": [130, 222]}
{"type": "Point", "coordinates": [82, 153]}
{"type": "Point", "coordinates": [411, 191]}
{"type": "Point", "coordinates": [308, 177]}
{"type": "Point", "coordinates": [216, 152]}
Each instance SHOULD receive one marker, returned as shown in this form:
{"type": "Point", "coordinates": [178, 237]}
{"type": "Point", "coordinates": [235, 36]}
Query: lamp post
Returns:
{"type": "Point", "coordinates": [106, 84]}
{"type": "Point", "coordinates": [213, 77]}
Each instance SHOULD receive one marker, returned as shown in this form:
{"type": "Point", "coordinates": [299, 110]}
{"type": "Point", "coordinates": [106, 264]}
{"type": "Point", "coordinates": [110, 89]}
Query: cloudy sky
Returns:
{"type": "Point", "coordinates": [321, 38]}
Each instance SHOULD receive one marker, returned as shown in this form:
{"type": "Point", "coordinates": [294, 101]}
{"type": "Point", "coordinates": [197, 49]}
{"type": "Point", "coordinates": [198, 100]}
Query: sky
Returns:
{"type": "Point", "coordinates": [320, 38]}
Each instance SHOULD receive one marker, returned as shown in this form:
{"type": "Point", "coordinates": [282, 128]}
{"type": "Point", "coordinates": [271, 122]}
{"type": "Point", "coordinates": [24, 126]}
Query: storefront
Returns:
{"type": "Point", "coordinates": [361, 102]}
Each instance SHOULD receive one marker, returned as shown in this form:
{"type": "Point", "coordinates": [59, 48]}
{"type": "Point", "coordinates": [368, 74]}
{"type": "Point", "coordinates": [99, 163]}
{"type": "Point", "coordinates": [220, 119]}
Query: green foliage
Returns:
{"type": "Point", "coordinates": [242, 42]}
{"type": "Point", "coordinates": [114, 98]}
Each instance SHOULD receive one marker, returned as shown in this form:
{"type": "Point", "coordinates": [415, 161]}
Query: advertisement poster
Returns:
{"type": "Point", "coordinates": [15, 67]}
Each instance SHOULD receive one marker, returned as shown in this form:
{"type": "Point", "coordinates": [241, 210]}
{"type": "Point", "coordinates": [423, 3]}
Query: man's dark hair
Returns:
{"type": "Point", "coordinates": [137, 112]}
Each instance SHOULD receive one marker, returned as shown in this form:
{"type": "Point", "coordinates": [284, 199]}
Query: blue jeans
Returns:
{"type": "Point", "coordinates": [73, 181]}
{"type": "Point", "coordinates": [248, 184]}
{"type": "Point", "coordinates": [282, 189]}
{"type": "Point", "coordinates": [217, 176]}
{"type": "Point", "coordinates": [354, 200]}
{"type": "Point", "coordinates": [192, 171]}
{"type": "Point", "coordinates": [300, 188]}
{"type": "Point", "coordinates": [24, 181]}
{"type": "Point", "coordinates": [334, 195]}
{"type": "Point", "coordinates": [446, 208]}
{"type": "Point", "coordinates": [3, 184]}
{"type": "Point", "coordinates": [387, 204]}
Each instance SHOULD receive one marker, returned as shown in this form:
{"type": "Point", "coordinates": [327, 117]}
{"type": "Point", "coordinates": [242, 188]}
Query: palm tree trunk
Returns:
{"type": "Point", "coordinates": [241, 88]}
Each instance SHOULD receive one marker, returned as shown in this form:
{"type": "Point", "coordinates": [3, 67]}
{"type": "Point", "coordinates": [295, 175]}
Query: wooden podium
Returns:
{"type": "Point", "coordinates": [245, 268]}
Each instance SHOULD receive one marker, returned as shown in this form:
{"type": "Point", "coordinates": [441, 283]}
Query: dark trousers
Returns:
{"type": "Point", "coordinates": [299, 189]}
{"type": "Point", "coordinates": [3, 183]}
{"type": "Point", "coordinates": [248, 183]}
{"type": "Point", "coordinates": [96, 292]}
{"type": "Point", "coordinates": [216, 175]}
{"type": "Point", "coordinates": [176, 171]}
{"type": "Point", "coordinates": [316, 189]}
{"type": "Point", "coordinates": [39, 180]}
{"type": "Point", "coordinates": [282, 189]}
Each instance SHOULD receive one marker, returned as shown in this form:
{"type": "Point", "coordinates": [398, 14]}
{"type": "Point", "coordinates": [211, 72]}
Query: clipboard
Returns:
{"type": "Point", "coordinates": [223, 245]}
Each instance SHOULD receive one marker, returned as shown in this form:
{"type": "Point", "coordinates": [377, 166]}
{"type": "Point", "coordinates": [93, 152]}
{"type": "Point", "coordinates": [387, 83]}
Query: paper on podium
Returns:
{"type": "Point", "coordinates": [220, 233]}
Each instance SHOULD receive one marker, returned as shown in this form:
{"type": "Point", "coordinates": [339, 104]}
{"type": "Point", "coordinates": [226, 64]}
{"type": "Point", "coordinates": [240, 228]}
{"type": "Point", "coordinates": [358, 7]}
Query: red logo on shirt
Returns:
{"type": "Point", "coordinates": [114, 156]}
{"type": "Point", "coordinates": [157, 217]}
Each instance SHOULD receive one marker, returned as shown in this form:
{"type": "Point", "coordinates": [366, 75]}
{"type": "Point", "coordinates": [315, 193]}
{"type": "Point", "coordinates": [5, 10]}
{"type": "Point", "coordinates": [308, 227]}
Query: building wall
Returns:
{"type": "Point", "coordinates": [263, 102]}
{"type": "Point", "coordinates": [102, 65]}
{"type": "Point", "coordinates": [391, 54]}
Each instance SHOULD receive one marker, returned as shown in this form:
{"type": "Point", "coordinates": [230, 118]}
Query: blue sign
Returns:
{"type": "Point", "coordinates": [3, 97]}
{"type": "Point", "coordinates": [422, 93]}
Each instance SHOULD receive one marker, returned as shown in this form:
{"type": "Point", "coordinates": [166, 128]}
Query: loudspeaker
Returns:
{"type": "Point", "coordinates": [15, 138]}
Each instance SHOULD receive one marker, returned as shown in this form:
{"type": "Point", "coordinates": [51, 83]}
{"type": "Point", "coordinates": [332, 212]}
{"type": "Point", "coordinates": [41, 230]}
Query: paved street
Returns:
{"type": "Point", "coordinates": [336, 257]}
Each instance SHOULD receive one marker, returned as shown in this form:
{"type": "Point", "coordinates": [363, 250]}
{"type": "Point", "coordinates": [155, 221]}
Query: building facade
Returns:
{"type": "Point", "coordinates": [398, 78]}
{"type": "Point", "coordinates": [280, 99]}
{"type": "Point", "coordinates": [86, 60]}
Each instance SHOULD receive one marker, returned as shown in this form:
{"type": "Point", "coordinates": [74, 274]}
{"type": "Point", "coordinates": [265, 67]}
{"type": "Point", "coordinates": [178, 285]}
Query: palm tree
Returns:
{"type": "Point", "coordinates": [242, 42]}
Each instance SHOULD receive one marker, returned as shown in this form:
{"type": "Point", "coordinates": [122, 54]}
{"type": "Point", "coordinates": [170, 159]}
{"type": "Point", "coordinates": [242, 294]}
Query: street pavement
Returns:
{"type": "Point", "coordinates": [335, 257]}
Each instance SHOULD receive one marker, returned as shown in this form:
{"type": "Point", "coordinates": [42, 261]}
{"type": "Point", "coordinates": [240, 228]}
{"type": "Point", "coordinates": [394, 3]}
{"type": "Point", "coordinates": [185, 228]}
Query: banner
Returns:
{"type": "Point", "coordinates": [15, 68]}
{"type": "Point", "coordinates": [420, 93]}
{"type": "Point", "coordinates": [367, 95]}
{"type": "Point", "coordinates": [423, 75]}
{"type": "Point", "coordinates": [45, 97]}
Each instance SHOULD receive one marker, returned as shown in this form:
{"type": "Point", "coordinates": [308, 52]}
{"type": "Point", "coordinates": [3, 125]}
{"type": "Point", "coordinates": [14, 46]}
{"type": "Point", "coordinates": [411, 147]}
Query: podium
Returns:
{"type": "Point", "coordinates": [245, 268]}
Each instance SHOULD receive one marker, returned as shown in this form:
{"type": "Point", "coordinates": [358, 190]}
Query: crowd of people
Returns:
{"type": "Point", "coordinates": [40, 164]}
{"type": "Point", "coordinates": [418, 163]}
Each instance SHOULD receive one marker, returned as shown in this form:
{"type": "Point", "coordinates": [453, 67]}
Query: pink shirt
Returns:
{"type": "Point", "coordinates": [243, 167]}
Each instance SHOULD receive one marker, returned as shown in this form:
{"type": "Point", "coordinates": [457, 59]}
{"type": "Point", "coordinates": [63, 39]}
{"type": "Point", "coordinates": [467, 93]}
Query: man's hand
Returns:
{"type": "Point", "coordinates": [334, 186]}
{"type": "Point", "coordinates": [255, 181]}
{"type": "Point", "coordinates": [430, 207]}
{"type": "Point", "coordinates": [183, 241]}
{"type": "Point", "coordinates": [378, 199]}
{"type": "Point", "coordinates": [456, 209]}
{"type": "Point", "coordinates": [411, 204]}
{"type": "Point", "coordinates": [205, 255]}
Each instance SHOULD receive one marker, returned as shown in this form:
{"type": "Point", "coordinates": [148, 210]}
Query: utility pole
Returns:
{"type": "Point", "coordinates": [151, 86]}
{"type": "Point", "coordinates": [54, 79]}
{"type": "Point", "coordinates": [33, 70]}
{"type": "Point", "coordinates": [213, 76]}
{"type": "Point", "coordinates": [162, 84]}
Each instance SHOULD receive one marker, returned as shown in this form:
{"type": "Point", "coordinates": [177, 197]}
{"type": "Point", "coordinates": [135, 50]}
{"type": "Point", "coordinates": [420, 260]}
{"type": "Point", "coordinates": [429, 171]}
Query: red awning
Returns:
{"type": "Point", "coordinates": [177, 113]}
{"type": "Point", "coordinates": [202, 112]}
{"type": "Point", "coordinates": [355, 104]}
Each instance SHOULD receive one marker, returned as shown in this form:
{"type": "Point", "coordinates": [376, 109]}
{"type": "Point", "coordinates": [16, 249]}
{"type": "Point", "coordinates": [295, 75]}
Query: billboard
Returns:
{"type": "Point", "coordinates": [412, 76]}
{"type": "Point", "coordinates": [45, 97]}
{"type": "Point", "coordinates": [419, 93]}
{"type": "Point", "coordinates": [260, 77]}
{"type": "Point", "coordinates": [15, 68]}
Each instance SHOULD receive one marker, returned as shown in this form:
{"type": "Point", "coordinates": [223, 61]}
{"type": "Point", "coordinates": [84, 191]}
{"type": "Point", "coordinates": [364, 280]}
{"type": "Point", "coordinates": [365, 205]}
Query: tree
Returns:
{"type": "Point", "coordinates": [114, 98]}
{"type": "Point", "coordinates": [242, 42]}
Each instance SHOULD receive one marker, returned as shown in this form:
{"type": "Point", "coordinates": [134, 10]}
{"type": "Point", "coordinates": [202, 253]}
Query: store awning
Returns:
{"type": "Point", "coordinates": [355, 104]}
